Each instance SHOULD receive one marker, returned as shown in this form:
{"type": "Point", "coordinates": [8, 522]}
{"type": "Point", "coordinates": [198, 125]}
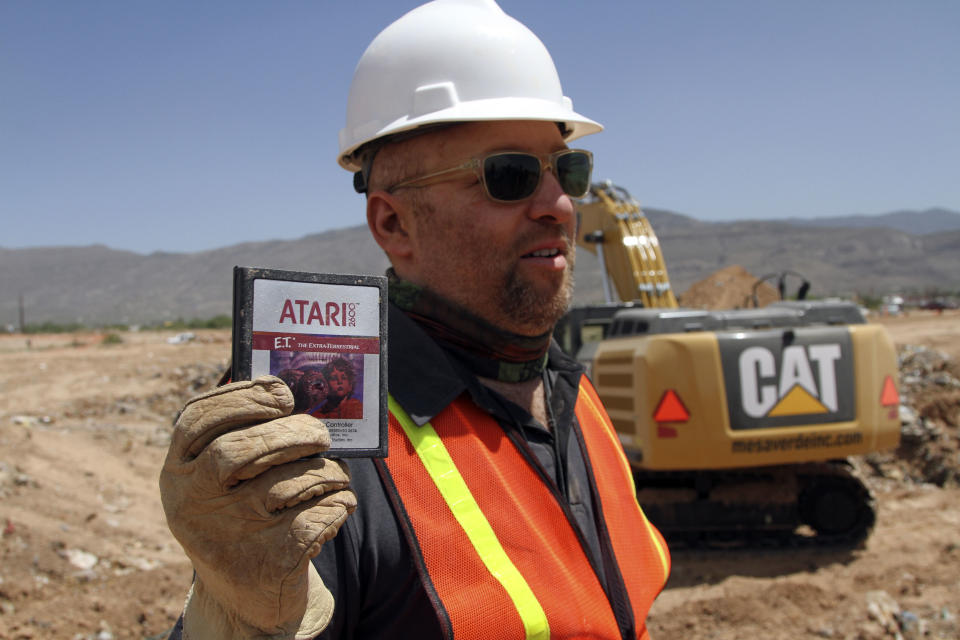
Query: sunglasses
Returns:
{"type": "Point", "coordinates": [512, 176]}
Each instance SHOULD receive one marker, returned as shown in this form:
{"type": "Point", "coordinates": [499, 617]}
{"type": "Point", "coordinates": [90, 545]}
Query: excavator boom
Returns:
{"type": "Point", "coordinates": [613, 227]}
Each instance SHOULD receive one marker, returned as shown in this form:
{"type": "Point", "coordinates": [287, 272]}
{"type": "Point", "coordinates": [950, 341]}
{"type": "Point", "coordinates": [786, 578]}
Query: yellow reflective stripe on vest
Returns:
{"type": "Point", "coordinates": [438, 463]}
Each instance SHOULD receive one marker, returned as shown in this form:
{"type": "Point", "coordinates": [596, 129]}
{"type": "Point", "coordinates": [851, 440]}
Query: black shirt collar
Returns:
{"type": "Point", "coordinates": [421, 377]}
{"type": "Point", "coordinates": [425, 379]}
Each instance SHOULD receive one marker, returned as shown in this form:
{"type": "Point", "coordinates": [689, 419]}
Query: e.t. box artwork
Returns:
{"type": "Point", "coordinates": [325, 335]}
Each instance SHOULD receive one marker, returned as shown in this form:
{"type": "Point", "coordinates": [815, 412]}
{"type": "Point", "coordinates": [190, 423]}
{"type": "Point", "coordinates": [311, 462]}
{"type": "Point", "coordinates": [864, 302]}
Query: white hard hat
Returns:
{"type": "Point", "coordinates": [453, 61]}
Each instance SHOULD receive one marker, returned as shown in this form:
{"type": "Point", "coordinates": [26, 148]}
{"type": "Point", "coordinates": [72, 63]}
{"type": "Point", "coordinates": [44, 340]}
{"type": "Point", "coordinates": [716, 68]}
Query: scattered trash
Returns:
{"type": "Point", "coordinates": [883, 609]}
{"type": "Point", "coordinates": [114, 498]}
{"type": "Point", "coordinates": [929, 450]}
{"type": "Point", "coordinates": [909, 622]}
{"type": "Point", "coordinates": [29, 421]}
{"type": "Point", "coordinates": [80, 559]}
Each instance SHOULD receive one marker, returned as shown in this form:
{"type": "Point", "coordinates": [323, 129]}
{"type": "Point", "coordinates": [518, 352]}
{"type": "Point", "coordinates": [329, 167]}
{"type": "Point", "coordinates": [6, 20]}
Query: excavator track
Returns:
{"type": "Point", "coordinates": [809, 504]}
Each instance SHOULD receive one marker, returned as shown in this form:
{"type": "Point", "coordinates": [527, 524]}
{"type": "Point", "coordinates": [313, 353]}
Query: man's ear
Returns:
{"type": "Point", "coordinates": [389, 219]}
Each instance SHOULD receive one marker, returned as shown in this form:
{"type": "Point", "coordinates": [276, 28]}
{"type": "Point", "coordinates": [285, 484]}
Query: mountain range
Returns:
{"type": "Point", "coordinates": [904, 251]}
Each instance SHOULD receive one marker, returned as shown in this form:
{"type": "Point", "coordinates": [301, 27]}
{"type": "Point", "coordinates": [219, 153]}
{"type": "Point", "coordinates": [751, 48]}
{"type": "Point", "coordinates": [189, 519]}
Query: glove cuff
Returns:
{"type": "Point", "coordinates": [204, 618]}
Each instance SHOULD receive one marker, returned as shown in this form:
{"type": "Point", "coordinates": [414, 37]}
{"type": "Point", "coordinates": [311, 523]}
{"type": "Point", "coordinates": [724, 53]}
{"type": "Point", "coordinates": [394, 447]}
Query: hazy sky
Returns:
{"type": "Point", "coordinates": [178, 125]}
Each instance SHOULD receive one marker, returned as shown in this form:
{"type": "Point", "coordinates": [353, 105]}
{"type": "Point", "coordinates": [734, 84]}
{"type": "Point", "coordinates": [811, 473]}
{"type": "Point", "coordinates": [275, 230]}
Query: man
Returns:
{"type": "Point", "coordinates": [506, 508]}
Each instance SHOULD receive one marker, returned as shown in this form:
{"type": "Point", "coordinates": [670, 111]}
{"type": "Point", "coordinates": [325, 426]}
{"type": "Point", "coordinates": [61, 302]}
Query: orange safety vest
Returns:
{"type": "Point", "coordinates": [496, 551]}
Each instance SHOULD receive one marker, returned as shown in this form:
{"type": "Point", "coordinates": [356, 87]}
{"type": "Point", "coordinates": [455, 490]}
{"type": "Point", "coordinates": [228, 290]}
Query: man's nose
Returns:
{"type": "Point", "coordinates": [549, 202]}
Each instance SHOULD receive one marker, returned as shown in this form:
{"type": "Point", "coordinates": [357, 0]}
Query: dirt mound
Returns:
{"type": "Point", "coordinates": [84, 426]}
{"type": "Point", "coordinates": [729, 288]}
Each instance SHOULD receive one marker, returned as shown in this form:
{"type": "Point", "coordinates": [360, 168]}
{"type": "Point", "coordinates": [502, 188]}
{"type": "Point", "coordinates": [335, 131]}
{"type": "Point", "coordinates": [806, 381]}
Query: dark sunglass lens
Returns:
{"type": "Point", "coordinates": [573, 172]}
{"type": "Point", "coordinates": [511, 176]}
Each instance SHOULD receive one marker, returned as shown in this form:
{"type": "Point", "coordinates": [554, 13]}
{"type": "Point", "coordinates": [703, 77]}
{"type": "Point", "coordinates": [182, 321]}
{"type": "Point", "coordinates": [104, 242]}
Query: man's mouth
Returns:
{"type": "Point", "coordinates": [551, 258]}
{"type": "Point", "coordinates": [542, 253]}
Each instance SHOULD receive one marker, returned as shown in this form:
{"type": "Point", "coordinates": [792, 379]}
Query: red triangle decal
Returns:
{"type": "Point", "coordinates": [889, 396]}
{"type": "Point", "coordinates": [671, 409]}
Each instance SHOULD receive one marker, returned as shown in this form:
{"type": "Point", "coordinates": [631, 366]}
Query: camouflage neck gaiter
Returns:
{"type": "Point", "coordinates": [488, 351]}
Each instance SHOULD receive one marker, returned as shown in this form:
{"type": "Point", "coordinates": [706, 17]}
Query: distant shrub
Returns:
{"type": "Point", "coordinates": [53, 327]}
{"type": "Point", "coordinates": [221, 321]}
{"type": "Point", "coordinates": [871, 302]}
{"type": "Point", "coordinates": [112, 338]}
{"type": "Point", "coordinates": [217, 322]}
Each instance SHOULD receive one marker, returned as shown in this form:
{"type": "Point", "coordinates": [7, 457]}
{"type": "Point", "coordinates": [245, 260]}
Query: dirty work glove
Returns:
{"type": "Point", "coordinates": [250, 512]}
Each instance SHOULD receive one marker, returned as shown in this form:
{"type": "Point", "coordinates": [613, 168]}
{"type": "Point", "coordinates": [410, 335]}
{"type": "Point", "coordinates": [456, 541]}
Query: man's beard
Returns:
{"type": "Point", "coordinates": [522, 307]}
{"type": "Point", "coordinates": [537, 310]}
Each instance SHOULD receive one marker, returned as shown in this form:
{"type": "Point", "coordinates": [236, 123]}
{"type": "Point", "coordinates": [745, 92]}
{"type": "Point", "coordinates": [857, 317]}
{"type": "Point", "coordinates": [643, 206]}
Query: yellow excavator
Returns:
{"type": "Point", "coordinates": [738, 424]}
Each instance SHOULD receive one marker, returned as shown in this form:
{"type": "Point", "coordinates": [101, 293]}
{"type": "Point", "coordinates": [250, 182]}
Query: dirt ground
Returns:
{"type": "Point", "coordinates": [84, 426]}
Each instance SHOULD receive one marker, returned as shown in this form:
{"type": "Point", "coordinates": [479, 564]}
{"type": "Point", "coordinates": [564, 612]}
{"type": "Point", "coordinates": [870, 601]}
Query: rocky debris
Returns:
{"type": "Point", "coordinates": [184, 382]}
{"type": "Point", "coordinates": [929, 450]}
{"type": "Point", "coordinates": [886, 618]}
{"type": "Point", "coordinates": [182, 338]}
{"type": "Point", "coordinates": [83, 560]}
{"type": "Point", "coordinates": [113, 498]}
{"type": "Point", "coordinates": [12, 477]}
{"type": "Point", "coordinates": [198, 376]}
{"type": "Point", "coordinates": [883, 610]}
{"type": "Point", "coordinates": [103, 633]}
{"type": "Point", "coordinates": [27, 421]}
{"type": "Point", "coordinates": [160, 437]}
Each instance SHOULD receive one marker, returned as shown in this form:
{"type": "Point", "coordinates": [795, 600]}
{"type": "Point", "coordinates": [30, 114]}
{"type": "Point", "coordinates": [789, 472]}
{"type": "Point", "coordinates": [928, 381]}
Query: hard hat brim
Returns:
{"type": "Point", "coordinates": [490, 110]}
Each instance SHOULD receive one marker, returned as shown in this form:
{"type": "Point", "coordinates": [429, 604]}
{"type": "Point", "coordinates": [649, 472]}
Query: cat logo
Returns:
{"type": "Point", "coordinates": [773, 380]}
{"type": "Point", "coordinates": [796, 390]}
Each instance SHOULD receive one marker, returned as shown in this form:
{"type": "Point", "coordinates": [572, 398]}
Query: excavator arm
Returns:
{"type": "Point", "coordinates": [614, 228]}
